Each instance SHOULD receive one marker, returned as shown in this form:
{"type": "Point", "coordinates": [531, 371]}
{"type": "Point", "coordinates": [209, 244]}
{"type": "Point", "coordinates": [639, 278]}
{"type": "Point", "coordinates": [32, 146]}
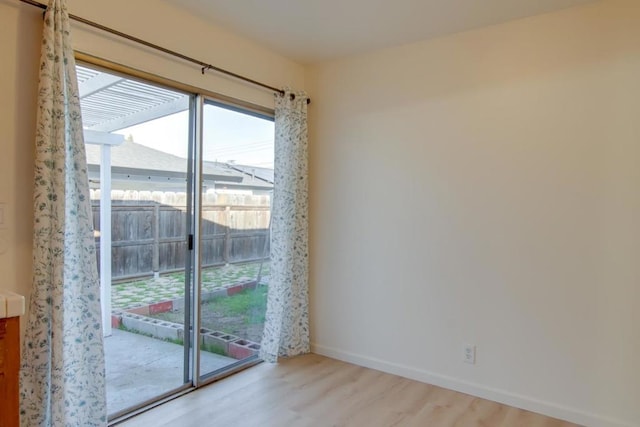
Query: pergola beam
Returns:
{"type": "Point", "coordinates": [155, 112]}
{"type": "Point", "coordinates": [98, 83]}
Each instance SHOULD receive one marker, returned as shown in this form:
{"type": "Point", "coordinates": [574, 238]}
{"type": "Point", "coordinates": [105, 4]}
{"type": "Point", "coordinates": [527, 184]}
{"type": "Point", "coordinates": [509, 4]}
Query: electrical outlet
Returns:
{"type": "Point", "coordinates": [469, 354]}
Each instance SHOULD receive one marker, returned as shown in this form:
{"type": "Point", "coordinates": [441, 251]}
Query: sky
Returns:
{"type": "Point", "coordinates": [228, 136]}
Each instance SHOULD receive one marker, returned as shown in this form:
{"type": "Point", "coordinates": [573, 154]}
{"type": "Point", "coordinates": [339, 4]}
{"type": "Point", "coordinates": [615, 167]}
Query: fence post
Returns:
{"type": "Point", "coordinates": [156, 241]}
{"type": "Point", "coordinates": [227, 234]}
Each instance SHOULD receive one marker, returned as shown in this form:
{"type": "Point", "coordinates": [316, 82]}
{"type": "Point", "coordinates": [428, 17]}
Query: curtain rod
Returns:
{"type": "Point", "coordinates": [203, 65]}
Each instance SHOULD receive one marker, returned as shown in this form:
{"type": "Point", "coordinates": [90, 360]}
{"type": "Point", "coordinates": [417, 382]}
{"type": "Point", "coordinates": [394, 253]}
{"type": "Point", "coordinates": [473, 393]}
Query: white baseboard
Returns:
{"type": "Point", "coordinates": [501, 396]}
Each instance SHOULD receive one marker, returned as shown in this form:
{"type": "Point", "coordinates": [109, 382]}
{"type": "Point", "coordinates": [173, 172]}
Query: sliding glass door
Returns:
{"type": "Point", "coordinates": [181, 189]}
{"type": "Point", "coordinates": [234, 235]}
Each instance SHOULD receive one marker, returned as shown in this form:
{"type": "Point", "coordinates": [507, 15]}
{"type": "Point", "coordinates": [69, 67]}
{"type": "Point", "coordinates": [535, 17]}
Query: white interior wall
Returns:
{"type": "Point", "coordinates": [154, 21]}
{"type": "Point", "coordinates": [484, 188]}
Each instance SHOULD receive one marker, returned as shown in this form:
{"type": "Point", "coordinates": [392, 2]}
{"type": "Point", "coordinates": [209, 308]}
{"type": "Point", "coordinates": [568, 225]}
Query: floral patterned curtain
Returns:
{"type": "Point", "coordinates": [286, 330]}
{"type": "Point", "coordinates": [62, 376]}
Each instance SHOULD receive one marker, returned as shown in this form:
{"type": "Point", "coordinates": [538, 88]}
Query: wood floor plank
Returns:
{"type": "Point", "coordinates": [313, 390]}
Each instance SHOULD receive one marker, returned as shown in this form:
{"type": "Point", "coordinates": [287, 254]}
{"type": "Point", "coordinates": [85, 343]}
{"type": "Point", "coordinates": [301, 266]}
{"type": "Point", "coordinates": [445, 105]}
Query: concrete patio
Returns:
{"type": "Point", "coordinates": [139, 368]}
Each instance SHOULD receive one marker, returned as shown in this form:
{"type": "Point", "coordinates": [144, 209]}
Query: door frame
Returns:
{"type": "Point", "coordinates": [193, 266]}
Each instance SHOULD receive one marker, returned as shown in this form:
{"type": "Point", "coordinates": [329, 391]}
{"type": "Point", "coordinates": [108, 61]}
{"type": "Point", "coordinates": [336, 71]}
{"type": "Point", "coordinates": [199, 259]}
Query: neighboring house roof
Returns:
{"type": "Point", "coordinates": [265, 174]}
{"type": "Point", "coordinates": [133, 163]}
{"type": "Point", "coordinates": [248, 179]}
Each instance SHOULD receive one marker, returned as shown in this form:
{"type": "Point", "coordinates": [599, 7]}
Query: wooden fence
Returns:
{"type": "Point", "coordinates": [150, 238]}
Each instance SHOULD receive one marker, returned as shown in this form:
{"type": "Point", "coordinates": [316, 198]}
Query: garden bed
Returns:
{"type": "Point", "coordinates": [241, 314]}
{"type": "Point", "coordinates": [232, 319]}
{"type": "Point", "coordinates": [232, 311]}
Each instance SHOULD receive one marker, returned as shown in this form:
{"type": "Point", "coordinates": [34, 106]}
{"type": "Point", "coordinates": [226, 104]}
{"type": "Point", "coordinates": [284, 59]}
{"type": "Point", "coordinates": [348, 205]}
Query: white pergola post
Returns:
{"type": "Point", "coordinates": [106, 141]}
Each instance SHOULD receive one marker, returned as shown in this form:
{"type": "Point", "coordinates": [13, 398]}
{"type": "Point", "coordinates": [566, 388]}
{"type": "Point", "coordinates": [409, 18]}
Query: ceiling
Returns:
{"type": "Point", "coordinates": [310, 31]}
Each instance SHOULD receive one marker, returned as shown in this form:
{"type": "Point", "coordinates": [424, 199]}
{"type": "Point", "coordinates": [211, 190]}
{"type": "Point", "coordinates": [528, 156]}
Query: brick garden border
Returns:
{"type": "Point", "coordinates": [136, 319]}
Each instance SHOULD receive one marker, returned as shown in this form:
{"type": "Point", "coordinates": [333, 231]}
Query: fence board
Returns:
{"type": "Point", "coordinates": [149, 237]}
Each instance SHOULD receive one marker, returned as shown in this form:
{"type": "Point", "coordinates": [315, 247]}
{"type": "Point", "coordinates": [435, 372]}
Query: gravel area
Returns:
{"type": "Point", "coordinates": [171, 286]}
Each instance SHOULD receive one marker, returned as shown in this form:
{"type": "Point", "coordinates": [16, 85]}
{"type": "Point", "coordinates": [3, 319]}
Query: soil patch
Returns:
{"type": "Point", "coordinates": [241, 314]}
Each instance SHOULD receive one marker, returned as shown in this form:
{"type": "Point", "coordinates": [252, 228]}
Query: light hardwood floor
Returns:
{"type": "Point", "coordinates": [314, 390]}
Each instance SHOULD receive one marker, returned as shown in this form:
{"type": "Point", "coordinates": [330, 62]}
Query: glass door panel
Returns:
{"type": "Point", "coordinates": [237, 187]}
{"type": "Point", "coordinates": [137, 139]}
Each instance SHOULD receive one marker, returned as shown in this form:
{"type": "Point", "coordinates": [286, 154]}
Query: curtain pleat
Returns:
{"type": "Point", "coordinates": [286, 330]}
{"type": "Point", "coordinates": [62, 376]}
